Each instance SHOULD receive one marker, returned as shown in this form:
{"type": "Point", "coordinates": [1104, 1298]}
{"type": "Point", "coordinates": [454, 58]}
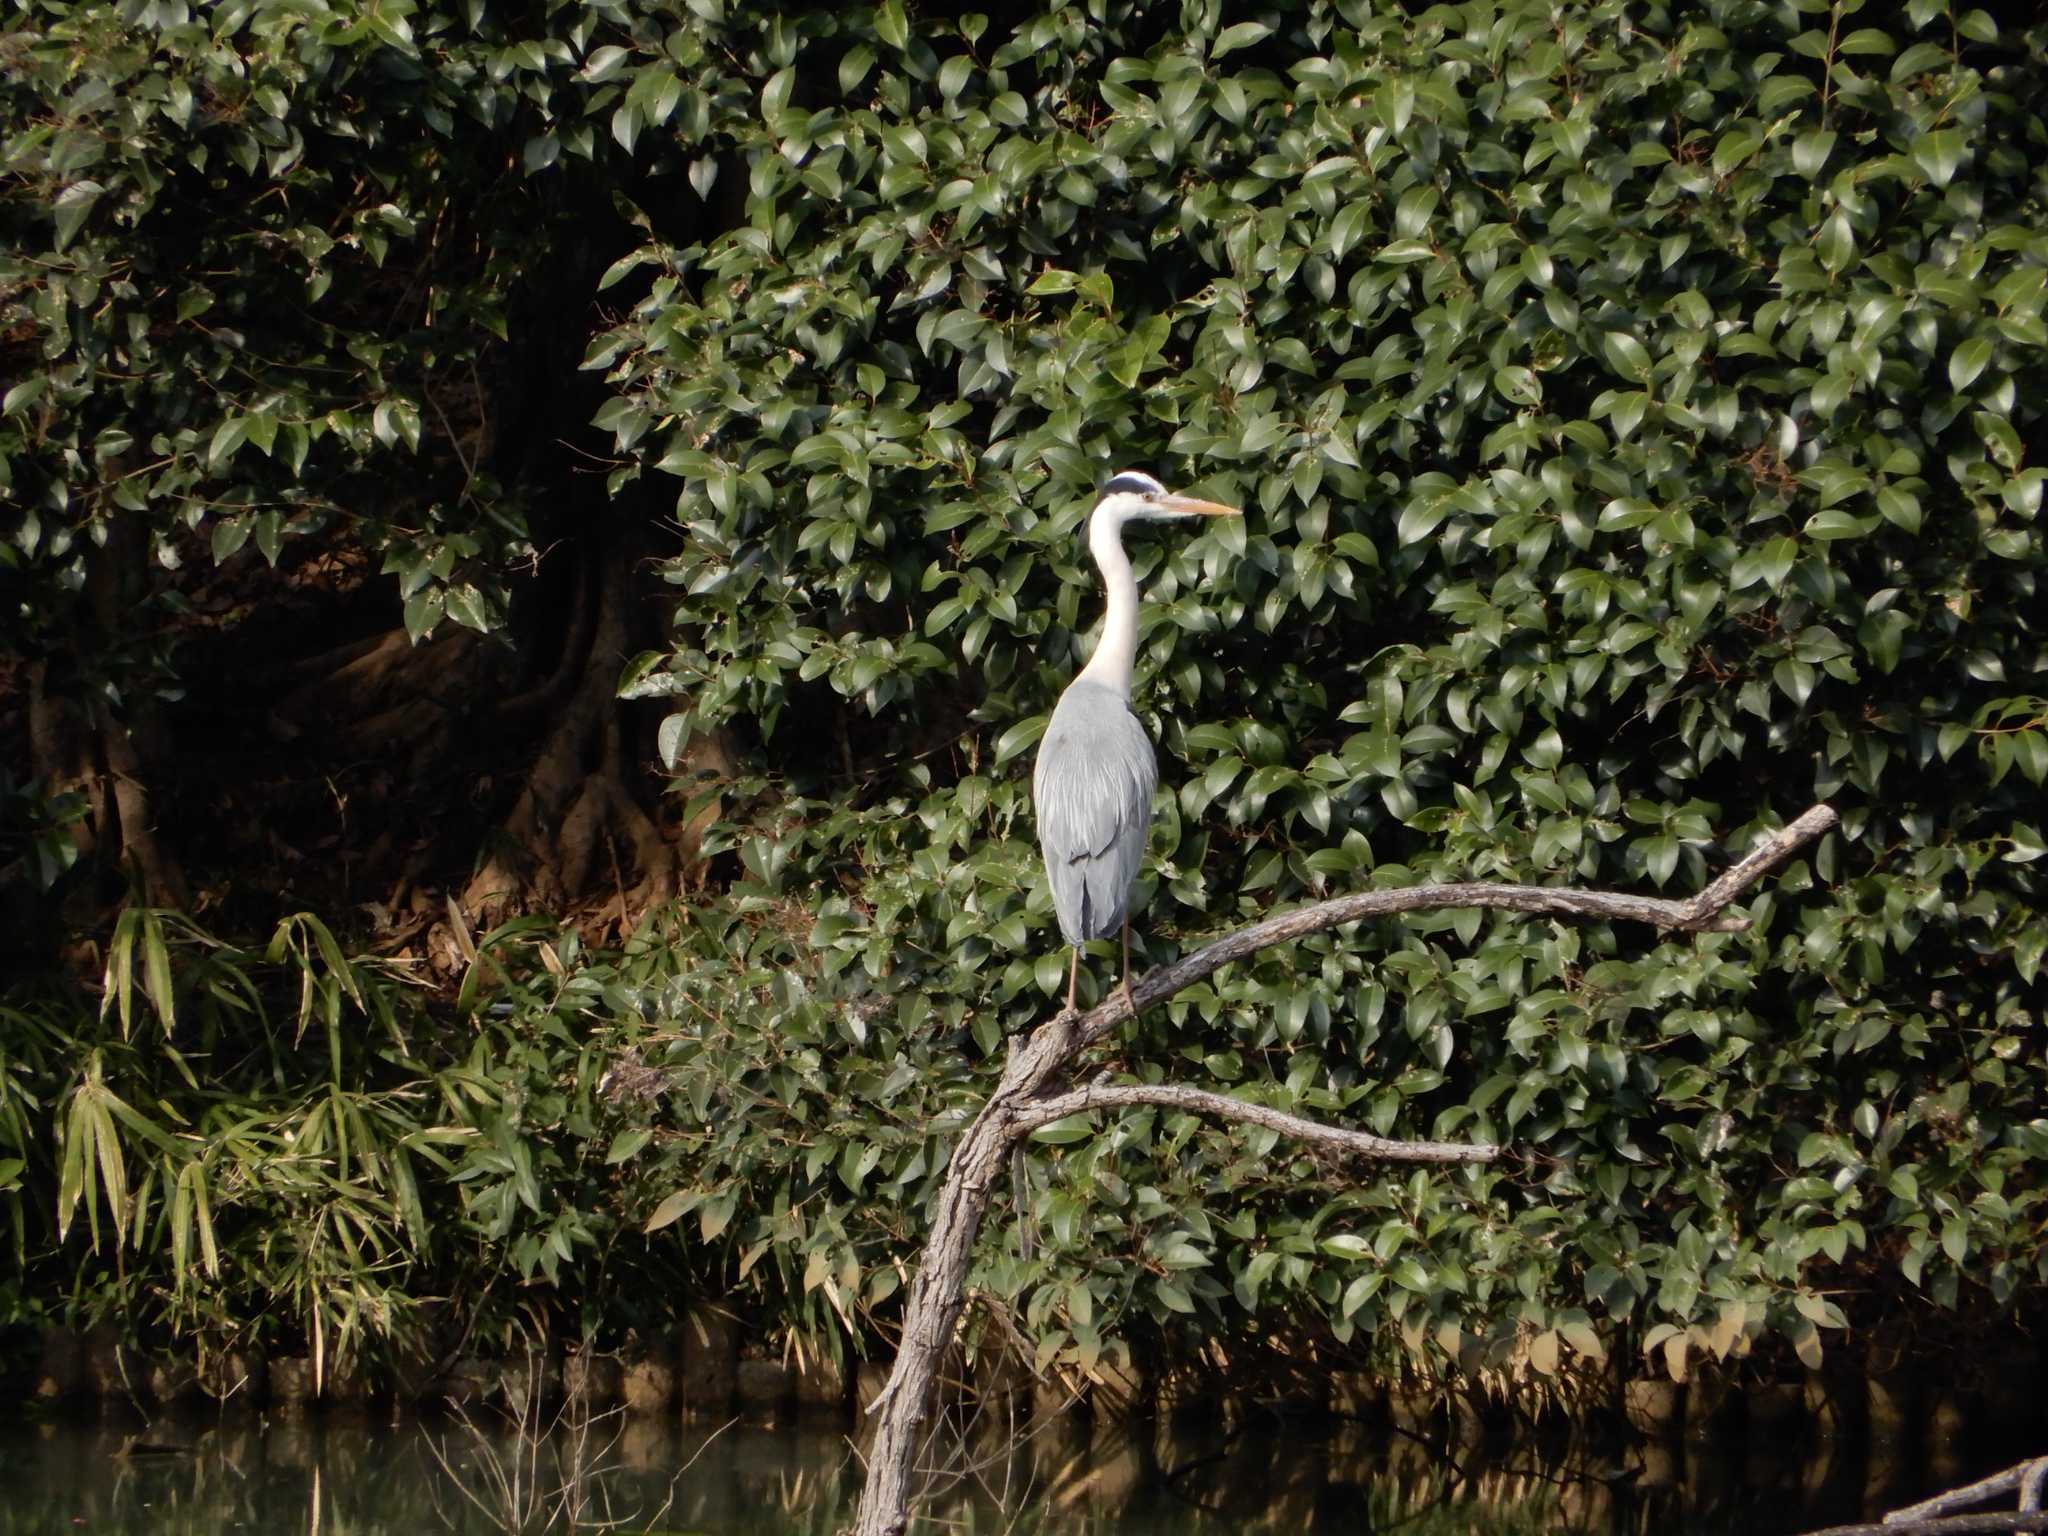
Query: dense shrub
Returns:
{"type": "Point", "coordinates": [1634, 412]}
{"type": "Point", "coordinates": [228, 313]}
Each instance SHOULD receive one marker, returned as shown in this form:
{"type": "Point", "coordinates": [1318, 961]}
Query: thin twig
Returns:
{"type": "Point", "coordinates": [1222, 1106]}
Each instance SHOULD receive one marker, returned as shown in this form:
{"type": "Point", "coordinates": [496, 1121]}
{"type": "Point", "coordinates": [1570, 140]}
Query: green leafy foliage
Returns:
{"type": "Point", "coordinates": [287, 1144]}
{"type": "Point", "coordinates": [219, 332]}
{"type": "Point", "coordinates": [1634, 418]}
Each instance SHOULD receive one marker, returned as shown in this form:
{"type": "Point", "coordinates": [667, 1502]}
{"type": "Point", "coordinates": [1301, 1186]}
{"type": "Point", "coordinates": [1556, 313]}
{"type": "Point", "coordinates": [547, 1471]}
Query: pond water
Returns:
{"type": "Point", "coordinates": [338, 1476]}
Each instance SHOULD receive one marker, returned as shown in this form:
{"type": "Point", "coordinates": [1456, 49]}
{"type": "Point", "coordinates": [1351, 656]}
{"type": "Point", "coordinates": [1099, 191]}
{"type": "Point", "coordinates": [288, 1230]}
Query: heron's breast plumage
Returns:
{"type": "Point", "coordinates": [1093, 791]}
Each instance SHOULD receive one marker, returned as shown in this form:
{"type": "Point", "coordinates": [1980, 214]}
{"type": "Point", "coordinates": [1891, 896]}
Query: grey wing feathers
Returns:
{"type": "Point", "coordinates": [1093, 790]}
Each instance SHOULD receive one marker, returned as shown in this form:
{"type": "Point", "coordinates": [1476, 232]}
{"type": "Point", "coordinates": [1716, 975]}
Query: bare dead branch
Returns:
{"type": "Point", "coordinates": [1938, 1513]}
{"type": "Point", "coordinates": [1222, 1106]}
{"type": "Point", "coordinates": [1950, 1525]}
{"type": "Point", "coordinates": [1697, 914]}
{"type": "Point", "coordinates": [1754, 865]}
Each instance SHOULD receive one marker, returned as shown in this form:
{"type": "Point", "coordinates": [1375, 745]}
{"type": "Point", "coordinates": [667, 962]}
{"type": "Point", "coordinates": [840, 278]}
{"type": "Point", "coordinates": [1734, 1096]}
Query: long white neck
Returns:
{"type": "Point", "coordinates": [1118, 648]}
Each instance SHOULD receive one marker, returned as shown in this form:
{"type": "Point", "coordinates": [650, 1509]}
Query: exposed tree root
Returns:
{"type": "Point", "coordinates": [576, 822]}
{"type": "Point", "coordinates": [384, 697]}
{"type": "Point", "coordinates": [533, 705]}
{"type": "Point", "coordinates": [318, 764]}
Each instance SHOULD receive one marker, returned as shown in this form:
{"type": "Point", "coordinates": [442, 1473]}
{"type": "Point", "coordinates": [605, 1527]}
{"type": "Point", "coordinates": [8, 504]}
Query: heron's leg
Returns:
{"type": "Point", "coordinates": [1073, 973]}
{"type": "Point", "coordinates": [1130, 998]}
{"type": "Point", "coordinates": [1020, 1195]}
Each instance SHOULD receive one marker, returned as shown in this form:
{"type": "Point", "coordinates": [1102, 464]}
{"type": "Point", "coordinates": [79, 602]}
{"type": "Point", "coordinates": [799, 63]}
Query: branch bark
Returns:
{"type": "Point", "coordinates": [2024, 1479]}
{"type": "Point", "coordinates": [1937, 1516]}
{"type": "Point", "coordinates": [1990, 1524]}
{"type": "Point", "coordinates": [1199, 1101]}
{"type": "Point", "coordinates": [1033, 1092]}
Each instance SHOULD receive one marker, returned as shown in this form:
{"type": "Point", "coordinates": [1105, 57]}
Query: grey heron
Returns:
{"type": "Point", "coordinates": [1096, 769]}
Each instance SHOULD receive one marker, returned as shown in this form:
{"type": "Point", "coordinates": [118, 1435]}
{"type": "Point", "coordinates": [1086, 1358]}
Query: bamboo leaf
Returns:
{"type": "Point", "coordinates": [117, 989]}
{"type": "Point", "coordinates": [156, 960]}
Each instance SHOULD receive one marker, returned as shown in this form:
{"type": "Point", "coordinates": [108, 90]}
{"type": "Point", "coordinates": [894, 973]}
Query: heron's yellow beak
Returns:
{"type": "Point", "coordinates": [1194, 506]}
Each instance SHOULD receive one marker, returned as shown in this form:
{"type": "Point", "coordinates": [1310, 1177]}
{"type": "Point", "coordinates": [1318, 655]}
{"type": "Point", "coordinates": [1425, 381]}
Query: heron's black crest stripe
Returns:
{"type": "Point", "coordinates": [1132, 481]}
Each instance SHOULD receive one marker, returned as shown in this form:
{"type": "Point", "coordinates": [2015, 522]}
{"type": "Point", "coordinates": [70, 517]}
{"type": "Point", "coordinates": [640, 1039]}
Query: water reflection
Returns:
{"type": "Point", "coordinates": [1189, 1475]}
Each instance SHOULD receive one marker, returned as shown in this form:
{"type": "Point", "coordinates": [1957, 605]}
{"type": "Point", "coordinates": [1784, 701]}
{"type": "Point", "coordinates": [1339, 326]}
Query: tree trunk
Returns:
{"type": "Point", "coordinates": [577, 823]}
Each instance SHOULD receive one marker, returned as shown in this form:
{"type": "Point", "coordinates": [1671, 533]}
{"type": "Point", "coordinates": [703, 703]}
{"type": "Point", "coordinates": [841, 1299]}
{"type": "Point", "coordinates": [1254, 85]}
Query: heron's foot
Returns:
{"type": "Point", "coordinates": [1130, 997]}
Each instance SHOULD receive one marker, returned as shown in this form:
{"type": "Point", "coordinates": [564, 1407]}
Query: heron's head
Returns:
{"type": "Point", "coordinates": [1133, 496]}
